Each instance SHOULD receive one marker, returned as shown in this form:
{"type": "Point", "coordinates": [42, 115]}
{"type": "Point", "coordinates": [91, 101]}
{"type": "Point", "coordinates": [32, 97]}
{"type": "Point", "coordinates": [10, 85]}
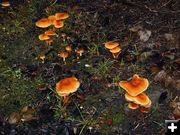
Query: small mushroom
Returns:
{"type": "Point", "coordinates": [42, 57]}
{"type": "Point", "coordinates": [61, 16]}
{"type": "Point", "coordinates": [51, 18]}
{"type": "Point", "coordinates": [48, 41]}
{"type": "Point", "coordinates": [136, 86]}
{"type": "Point", "coordinates": [80, 51]}
{"type": "Point", "coordinates": [143, 109]}
{"type": "Point", "coordinates": [115, 50]}
{"type": "Point", "coordinates": [142, 99]}
{"type": "Point", "coordinates": [43, 37]}
{"type": "Point", "coordinates": [58, 24]}
{"type": "Point", "coordinates": [133, 105]}
{"type": "Point", "coordinates": [50, 33]}
{"type": "Point", "coordinates": [111, 44]}
{"type": "Point", "coordinates": [66, 86]}
{"type": "Point", "coordinates": [129, 98]}
{"type": "Point", "coordinates": [43, 23]}
{"type": "Point", "coordinates": [5, 3]}
{"type": "Point", "coordinates": [63, 55]}
{"type": "Point", "coordinates": [68, 48]}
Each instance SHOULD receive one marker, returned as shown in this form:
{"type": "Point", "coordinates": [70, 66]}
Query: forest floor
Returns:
{"type": "Point", "coordinates": [149, 35]}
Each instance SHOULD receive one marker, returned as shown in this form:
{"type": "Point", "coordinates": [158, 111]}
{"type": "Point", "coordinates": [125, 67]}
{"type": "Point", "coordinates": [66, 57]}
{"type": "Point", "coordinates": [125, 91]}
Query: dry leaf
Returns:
{"type": "Point", "coordinates": [144, 35]}
{"type": "Point", "coordinates": [14, 118]}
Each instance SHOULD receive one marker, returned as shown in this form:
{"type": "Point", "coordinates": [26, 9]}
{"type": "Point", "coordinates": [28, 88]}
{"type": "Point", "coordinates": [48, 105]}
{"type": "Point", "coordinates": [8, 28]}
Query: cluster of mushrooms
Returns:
{"type": "Point", "coordinates": [5, 3]}
{"type": "Point", "coordinates": [56, 21]}
{"type": "Point", "coordinates": [113, 47]}
{"type": "Point", "coordinates": [135, 93]}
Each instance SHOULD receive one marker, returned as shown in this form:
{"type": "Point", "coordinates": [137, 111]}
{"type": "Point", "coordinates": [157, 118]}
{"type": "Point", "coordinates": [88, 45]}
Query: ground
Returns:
{"type": "Point", "coordinates": [29, 103]}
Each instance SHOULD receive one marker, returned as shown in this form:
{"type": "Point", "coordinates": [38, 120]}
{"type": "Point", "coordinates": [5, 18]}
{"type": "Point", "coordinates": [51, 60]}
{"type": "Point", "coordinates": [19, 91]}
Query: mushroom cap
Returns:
{"type": "Point", "coordinates": [111, 44]}
{"type": "Point", "coordinates": [136, 86]}
{"type": "Point", "coordinates": [43, 37]}
{"type": "Point", "coordinates": [66, 86]}
{"type": "Point", "coordinates": [50, 33]}
{"type": "Point", "coordinates": [43, 23]}
{"type": "Point", "coordinates": [129, 97]}
{"type": "Point", "coordinates": [51, 18]}
{"type": "Point", "coordinates": [61, 16]}
{"type": "Point", "coordinates": [5, 3]}
{"type": "Point", "coordinates": [143, 109]}
{"type": "Point", "coordinates": [79, 50]}
{"type": "Point", "coordinates": [142, 99]}
{"type": "Point", "coordinates": [148, 105]}
{"type": "Point", "coordinates": [63, 54]}
{"type": "Point", "coordinates": [68, 48]}
{"type": "Point", "coordinates": [58, 24]}
{"type": "Point", "coordinates": [115, 50]}
{"type": "Point", "coordinates": [133, 105]}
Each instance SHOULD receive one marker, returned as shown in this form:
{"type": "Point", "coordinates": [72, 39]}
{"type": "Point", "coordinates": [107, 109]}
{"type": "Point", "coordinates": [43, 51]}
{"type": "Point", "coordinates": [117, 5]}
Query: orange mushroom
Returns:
{"type": "Point", "coordinates": [142, 99]}
{"type": "Point", "coordinates": [51, 18]}
{"type": "Point", "coordinates": [43, 23]}
{"type": "Point", "coordinates": [111, 44]}
{"type": "Point", "coordinates": [61, 16]}
{"type": "Point", "coordinates": [48, 41]}
{"type": "Point", "coordinates": [68, 48]}
{"type": "Point", "coordinates": [63, 55]}
{"type": "Point", "coordinates": [66, 86]}
{"type": "Point", "coordinates": [136, 86]}
{"type": "Point", "coordinates": [115, 50]}
{"type": "Point", "coordinates": [43, 37]}
{"type": "Point", "coordinates": [5, 3]}
{"type": "Point", "coordinates": [58, 24]}
{"type": "Point", "coordinates": [143, 109]}
{"type": "Point", "coordinates": [129, 97]}
{"type": "Point", "coordinates": [133, 105]}
{"type": "Point", "coordinates": [50, 33]}
{"type": "Point", "coordinates": [80, 51]}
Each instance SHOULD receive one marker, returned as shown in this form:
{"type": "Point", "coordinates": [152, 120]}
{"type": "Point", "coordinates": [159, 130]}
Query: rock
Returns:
{"type": "Point", "coordinates": [144, 35]}
{"type": "Point", "coordinates": [136, 28]}
{"type": "Point", "coordinates": [168, 36]}
{"type": "Point", "coordinates": [160, 76]}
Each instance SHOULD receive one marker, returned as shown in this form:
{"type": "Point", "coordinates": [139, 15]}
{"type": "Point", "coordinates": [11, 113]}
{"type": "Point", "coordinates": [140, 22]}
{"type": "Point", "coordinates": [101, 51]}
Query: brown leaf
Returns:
{"type": "Point", "coordinates": [14, 118]}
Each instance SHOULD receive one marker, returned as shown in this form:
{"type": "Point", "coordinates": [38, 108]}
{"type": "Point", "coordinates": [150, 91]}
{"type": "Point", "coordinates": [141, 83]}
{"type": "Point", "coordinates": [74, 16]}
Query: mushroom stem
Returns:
{"type": "Point", "coordinates": [80, 54]}
{"type": "Point", "coordinates": [65, 99]}
{"type": "Point", "coordinates": [64, 59]}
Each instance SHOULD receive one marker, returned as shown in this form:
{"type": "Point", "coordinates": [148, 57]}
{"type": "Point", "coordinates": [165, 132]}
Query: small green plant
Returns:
{"type": "Point", "coordinates": [102, 68]}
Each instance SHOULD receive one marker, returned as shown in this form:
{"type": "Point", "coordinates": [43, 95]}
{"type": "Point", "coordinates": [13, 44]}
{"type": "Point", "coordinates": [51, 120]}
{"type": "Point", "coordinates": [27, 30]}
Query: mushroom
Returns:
{"type": "Point", "coordinates": [133, 105]}
{"type": "Point", "coordinates": [80, 51]}
{"type": "Point", "coordinates": [143, 109]}
{"type": "Point", "coordinates": [61, 16]}
{"type": "Point", "coordinates": [58, 24]}
{"type": "Point", "coordinates": [115, 50]}
{"type": "Point", "coordinates": [5, 3]}
{"type": "Point", "coordinates": [42, 57]}
{"type": "Point", "coordinates": [68, 48]}
{"type": "Point", "coordinates": [50, 33]}
{"type": "Point", "coordinates": [43, 23]}
{"type": "Point", "coordinates": [136, 86]}
{"type": "Point", "coordinates": [129, 97]}
{"type": "Point", "coordinates": [43, 37]}
{"type": "Point", "coordinates": [66, 86]}
{"type": "Point", "coordinates": [48, 41]}
{"type": "Point", "coordinates": [51, 18]}
{"type": "Point", "coordinates": [111, 44]}
{"type": "Point", "coordinates": [142, 99]}
{"type": "Point", "coordinates": [63, 55]}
